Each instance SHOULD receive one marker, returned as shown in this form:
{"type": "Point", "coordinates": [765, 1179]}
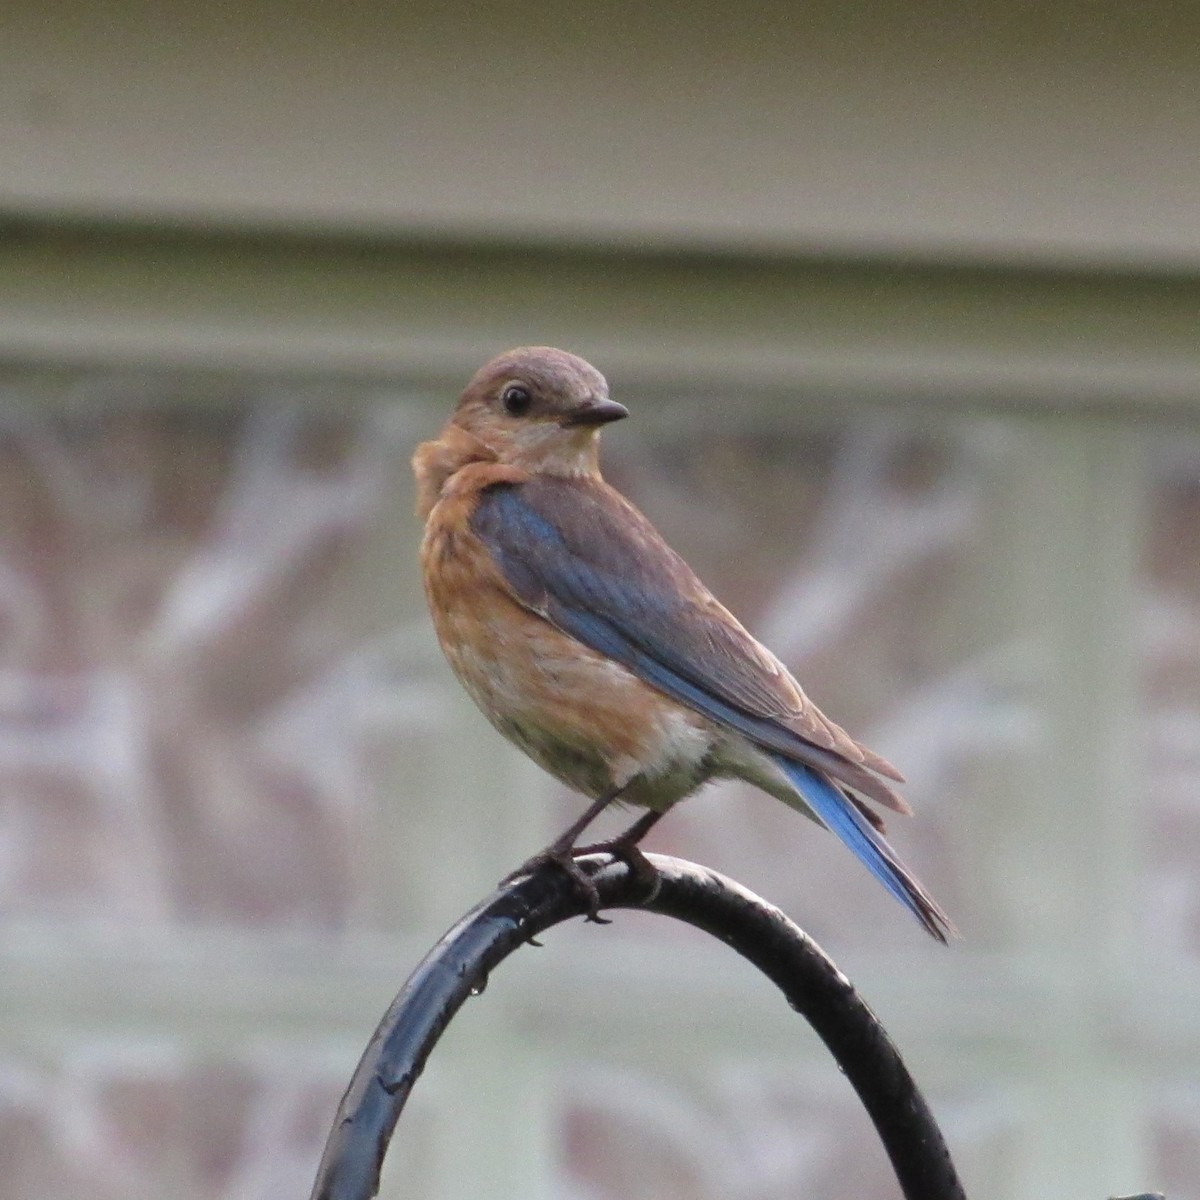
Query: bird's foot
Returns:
{"type": "Point", "coordinates": [626, 850]}
{"type": "Point", "coordinates": [561, 857]}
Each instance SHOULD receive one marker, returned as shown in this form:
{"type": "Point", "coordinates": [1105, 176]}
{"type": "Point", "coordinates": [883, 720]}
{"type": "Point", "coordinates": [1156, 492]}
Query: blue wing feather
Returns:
{"type": "Point", "coordinates": [838, 814]}
{"type": "Point", "coordinates": [621, 610]}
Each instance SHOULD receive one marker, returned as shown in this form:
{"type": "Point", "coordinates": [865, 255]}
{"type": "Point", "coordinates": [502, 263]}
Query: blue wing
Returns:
{"type": "Point", "coordinates": [590, 563]}
{"type": "Point", "coordinates": [575, 552]}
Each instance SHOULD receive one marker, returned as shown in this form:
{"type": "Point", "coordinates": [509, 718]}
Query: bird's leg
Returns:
{"type": "Point", "coordinates": [565, 842]}
{"type": "Point", "coordinates": [625, 847]}
{"type": "Point", "coordinates": [560, 853]}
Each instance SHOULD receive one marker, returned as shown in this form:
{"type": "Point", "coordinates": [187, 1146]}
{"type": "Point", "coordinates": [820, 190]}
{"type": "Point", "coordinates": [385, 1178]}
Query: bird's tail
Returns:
{"type": "Point", "coordinates": [837, 812]}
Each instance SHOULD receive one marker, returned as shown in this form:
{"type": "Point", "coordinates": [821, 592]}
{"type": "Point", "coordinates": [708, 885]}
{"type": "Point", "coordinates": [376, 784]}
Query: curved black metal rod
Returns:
{"type": "Point", "coordinates": [459, 965]}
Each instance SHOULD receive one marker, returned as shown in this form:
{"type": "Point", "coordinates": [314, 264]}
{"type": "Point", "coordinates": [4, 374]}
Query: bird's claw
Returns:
{"type": "Point", "coordinates": [563, 860]}
{"type": "Point", "coordinates": [644, 872]}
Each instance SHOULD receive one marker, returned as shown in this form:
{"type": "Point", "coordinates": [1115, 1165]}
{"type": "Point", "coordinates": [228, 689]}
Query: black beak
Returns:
{"type": "Point", "coordinates": [598, 412]}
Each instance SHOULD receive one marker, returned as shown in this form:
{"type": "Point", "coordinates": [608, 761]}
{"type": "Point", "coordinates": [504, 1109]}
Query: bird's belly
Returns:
{"type": "Point", "coordinates": [582, 717]}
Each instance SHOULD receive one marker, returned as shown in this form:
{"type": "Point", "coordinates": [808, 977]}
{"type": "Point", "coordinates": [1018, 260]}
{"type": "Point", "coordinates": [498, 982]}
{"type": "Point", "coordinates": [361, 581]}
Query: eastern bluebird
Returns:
{"type": "Point", "coordinates": [591, 645]}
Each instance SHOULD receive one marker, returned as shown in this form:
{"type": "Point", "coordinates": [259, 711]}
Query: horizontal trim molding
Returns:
{"type": "Point", "coordinates": [1032, 133]}
{"type": "Point", "coordinates": [733, 325]}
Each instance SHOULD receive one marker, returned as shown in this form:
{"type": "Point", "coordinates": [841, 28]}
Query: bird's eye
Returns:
{"type": "Point", "coordinates": [516, 399]}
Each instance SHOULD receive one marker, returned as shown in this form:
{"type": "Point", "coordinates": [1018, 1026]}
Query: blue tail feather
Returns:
{"type": "Point", "coordinates": [838, 814]}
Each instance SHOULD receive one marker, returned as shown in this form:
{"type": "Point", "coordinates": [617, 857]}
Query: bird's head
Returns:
{"type": "Point", "coordinates": [540, 409]}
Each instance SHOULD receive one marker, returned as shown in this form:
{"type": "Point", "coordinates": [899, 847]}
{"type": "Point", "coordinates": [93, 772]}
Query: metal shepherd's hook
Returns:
{"type": "Point", "coordinates": [460, 963]}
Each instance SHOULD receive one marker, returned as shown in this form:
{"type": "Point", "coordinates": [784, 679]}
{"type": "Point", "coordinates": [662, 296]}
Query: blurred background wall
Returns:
{"type": "Point", "coordinates": [904, 299]}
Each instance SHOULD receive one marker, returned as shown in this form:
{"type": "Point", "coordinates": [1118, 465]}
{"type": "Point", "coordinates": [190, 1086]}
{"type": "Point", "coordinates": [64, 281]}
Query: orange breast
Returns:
{"type": "Point", "coordinates": [584, 718]}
